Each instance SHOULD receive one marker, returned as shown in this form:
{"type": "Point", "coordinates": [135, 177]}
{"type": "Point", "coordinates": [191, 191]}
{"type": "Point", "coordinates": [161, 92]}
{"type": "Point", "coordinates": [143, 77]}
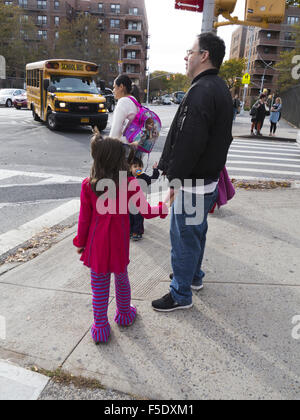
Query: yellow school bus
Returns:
{"type": "Point", "coordinates": [62, 92]}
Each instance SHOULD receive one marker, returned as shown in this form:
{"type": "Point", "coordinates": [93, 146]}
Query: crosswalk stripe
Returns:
{"type": "Point", "coordinates": [275, 148]}
{"type": "Point", "coordinates": [269, 145]}
{"type": "Point", "coordinates": [267, 171]}
{"type": "Point", "coordinates": [244, 162]}
{"type": "Point", "coordinates": [265, 158]}
{"type": "Point", "coordinates": [48, 178]}
{"type": "Point", "coordinates": [258, 152]}
{"type": "Point", "coordinates": [23, 233]}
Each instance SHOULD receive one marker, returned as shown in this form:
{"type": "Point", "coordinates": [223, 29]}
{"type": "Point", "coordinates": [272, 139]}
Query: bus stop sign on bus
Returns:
{"type": "Point", "coordinates": [191, 5]}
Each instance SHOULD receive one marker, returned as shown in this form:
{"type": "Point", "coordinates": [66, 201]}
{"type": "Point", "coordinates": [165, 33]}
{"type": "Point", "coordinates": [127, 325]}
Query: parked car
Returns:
{"type": "Point", "coordinates": [7, 96]}
{"type": "Point", "coordinates": [177, 97]}
{"type": "Point", "coordinates": [110, 99]}
{"type": "Point", "coordinates": [165, 100]}
{"type": "Point", "coordinates": [20, 101]}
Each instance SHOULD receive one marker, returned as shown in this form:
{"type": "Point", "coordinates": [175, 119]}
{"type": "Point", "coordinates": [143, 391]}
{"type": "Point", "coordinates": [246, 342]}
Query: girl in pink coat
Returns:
{"type": "Point", "coordinates": [104, 230]}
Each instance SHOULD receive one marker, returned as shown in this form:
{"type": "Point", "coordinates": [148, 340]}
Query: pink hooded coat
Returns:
{"type": "Point", "coordinates": [105, 237]}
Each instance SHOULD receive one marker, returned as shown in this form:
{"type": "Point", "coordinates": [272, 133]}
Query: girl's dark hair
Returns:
{"type": "Point", "coordinates": [109, 159]}
{"type": "Point", "coordinates": [130, 87]}
{"type": "Point", "coordinates": [137, 161]}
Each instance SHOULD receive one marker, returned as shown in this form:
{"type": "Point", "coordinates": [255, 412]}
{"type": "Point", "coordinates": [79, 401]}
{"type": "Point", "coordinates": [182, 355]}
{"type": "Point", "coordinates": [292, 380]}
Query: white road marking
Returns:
{"type": "Point", "coordinates": [275, 148]}
{"type": "Point", "coordinates": [262, 153]}
{"type": "Point", "coordinates": [48, 178]}
{"type": "Point", "coordinates": [245, 162]}
{"type": "Point", "coordinates": [267, 171]}
{"type": "Point", "coordinates": [265, 158]}
{"type": "Point", "coordinates": [266, 143]}
{"type": "Point", "coordinates": [17, 383]}
{"type": "Point", "coordinates": [23, 233]}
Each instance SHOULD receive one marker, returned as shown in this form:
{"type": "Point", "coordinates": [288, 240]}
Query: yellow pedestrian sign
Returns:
{"type": "Point", "coordinates": [246, 79]}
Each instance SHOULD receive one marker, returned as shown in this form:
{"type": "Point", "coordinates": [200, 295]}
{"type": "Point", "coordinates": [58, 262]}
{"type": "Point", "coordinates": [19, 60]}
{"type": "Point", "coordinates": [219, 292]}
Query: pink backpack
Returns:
{"type": "Point", "coordinates": [144, 129]}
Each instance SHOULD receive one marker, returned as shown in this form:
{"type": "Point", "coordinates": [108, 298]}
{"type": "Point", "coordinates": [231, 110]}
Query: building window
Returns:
{"type": "Point", "coordinates": [42, 34]}
{"type": "Point", "coordinates": [134, 11]}
{"type": "Point", "coordinates": [269, 35]}
{"type": "Point", "coordinates": [23, 3]}
{"type": "Point", "coordinates": [130, 68]}
{"type": "Point", "coordinates": [115, 23]}
{"type": "Point", "coordinates": [100, 21]}
{"type": "Point", "coordinates": [8, 3]}
{"type": "Point", "coordinates": [56, 35]}
{"type": "Point", "coordinates": [115, 8]}
{"type": "Point", "coordinates": [114, 38]}
{"type": "Point", "coordinates": [131, 55]}
{"type": "Point", "coordinates": [56, 20]}
{"type": "Point", "coordinates": [24, 18]}
{"type": "Point", "coordinates": [293, 20]}
{"type": "Point", "coordinates": [132, 40]}
{"type": "Point", "coordinates": [100, 7]}
{"type": "Point", "coordinates": [135, 26]}
{"type": "Point", "coordinates": [289, 36]}
{"type": "Point", "coordinates": [56, 5]}
{"type": "Point", "coordinates": [41, 4]}
{"type": "Point", "coordinates": [42, 20]}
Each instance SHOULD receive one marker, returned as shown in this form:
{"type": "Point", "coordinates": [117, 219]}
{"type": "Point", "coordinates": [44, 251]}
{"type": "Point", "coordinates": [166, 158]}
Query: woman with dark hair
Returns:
{"type": "Point", "coordinates": [261, 110]}
{"type": "Point", "coordinates": [126, 110]}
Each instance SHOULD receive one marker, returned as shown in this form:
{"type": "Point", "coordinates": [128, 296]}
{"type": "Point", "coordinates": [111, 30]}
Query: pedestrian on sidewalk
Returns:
{"type": "Point", "coordinates": [236, 106]}
{"type": "Point", "coordinates": [125, 110]}
{"type": "Point", "coordinates": [195, 153]}
{"type": "Point", "coordinates": [103, 231]}
{"type": "Point", "coordinates": [261, 110]}
{"type": "Point", "coordinates": [275, 116]}
{"type": "Point", "coordinates": [137, 220]}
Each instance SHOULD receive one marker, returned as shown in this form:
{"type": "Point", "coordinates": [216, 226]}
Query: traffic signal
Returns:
{"type": "Point", "coordinates": [271, 11]}
{"type": "Point", "coordinates": [223, 6]}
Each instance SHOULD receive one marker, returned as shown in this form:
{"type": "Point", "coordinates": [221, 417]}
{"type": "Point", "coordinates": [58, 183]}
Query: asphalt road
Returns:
{"type": "Point", "coordinates": [41, 171]}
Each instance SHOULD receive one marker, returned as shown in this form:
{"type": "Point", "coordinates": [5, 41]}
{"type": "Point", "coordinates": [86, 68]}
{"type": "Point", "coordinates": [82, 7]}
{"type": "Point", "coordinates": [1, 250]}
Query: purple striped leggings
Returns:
{"type": "Point", "coordinates": [125, 313]}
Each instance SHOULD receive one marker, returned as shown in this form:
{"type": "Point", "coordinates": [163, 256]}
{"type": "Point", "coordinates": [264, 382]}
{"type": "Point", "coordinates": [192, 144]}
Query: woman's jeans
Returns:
{"type": "Point", "coordinates": [188, 242]}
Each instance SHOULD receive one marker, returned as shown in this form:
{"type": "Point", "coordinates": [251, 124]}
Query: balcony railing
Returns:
{"type": "Point", "coordinates": [268, 72]}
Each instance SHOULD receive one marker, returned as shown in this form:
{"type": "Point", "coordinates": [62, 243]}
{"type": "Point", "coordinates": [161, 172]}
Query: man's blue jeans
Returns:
{"type": "Point", "coordinates": [188, 245]}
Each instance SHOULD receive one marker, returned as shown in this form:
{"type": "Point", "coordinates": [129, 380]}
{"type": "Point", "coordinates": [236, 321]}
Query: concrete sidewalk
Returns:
{"type": "Point", "coordinates": [237, 342]}
{"type": "Point", "coordinates": [285, 131]}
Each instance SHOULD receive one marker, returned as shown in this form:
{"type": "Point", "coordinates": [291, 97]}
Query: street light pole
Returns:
{"type": "Point", "coordinates": [208, 17]}
{"type": "Point", "coordinates": [251, 29]}
{"type": "Point", "coordinates": [148, 87]}
{"type": "Point", "coordinates": [263, 78]}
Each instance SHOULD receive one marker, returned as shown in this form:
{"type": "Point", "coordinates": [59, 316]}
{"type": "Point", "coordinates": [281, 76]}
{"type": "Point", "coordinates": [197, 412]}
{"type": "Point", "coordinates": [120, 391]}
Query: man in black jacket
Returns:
{"type": "Point", "coordinates": [195, 152]}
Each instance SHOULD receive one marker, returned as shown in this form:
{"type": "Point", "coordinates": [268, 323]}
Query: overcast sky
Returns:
{"type": "Point", "coordinates": [173, 31]}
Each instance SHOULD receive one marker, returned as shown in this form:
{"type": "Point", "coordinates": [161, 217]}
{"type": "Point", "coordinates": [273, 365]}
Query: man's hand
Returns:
{"type": "Point", "coordinates": [80, 250]}
{"type": "Point", "coordinates": [155, 165]}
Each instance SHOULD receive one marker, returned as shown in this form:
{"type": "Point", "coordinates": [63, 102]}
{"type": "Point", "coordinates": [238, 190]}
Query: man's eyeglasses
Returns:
{"type": "Point", "coordinates": [189, 52]}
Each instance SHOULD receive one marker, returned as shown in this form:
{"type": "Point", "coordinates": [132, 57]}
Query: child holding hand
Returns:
{"type": "Point", "coordinates": [137, 220]}
{"type": "Point", "coordinates": [104, 229]}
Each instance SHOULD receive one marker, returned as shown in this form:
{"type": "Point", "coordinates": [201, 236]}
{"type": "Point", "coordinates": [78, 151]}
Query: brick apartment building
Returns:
{"type": "Point", "coordinates": [124, 20]}
{"type": "Point", "coordinates": [266, 48]}
{"type": "Point", "coordinates": [238, 42]}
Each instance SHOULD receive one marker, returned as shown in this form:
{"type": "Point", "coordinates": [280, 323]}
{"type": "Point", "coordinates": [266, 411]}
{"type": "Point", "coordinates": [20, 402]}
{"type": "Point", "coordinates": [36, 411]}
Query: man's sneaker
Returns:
{"type": "Point", "coordinates": [193, 287]}
{"type": "Point", "coordinates": [167, 304]}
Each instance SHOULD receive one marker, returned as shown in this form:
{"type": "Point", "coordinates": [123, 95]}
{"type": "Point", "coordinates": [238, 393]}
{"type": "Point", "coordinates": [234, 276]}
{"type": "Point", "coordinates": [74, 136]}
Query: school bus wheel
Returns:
{"type": "Point", "coordinates": [51, 121]}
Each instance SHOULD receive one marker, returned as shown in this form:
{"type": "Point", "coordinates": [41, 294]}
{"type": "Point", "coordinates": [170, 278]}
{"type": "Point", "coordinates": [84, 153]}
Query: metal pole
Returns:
{"type": "Point", "coordinates": [208, 17]}
{"type": "Point", "coordinates": [251, 29]}
{"type": "Point", "coordinates": [148, 88]}
{"type": "Point", "coordinates": [262, 81]}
